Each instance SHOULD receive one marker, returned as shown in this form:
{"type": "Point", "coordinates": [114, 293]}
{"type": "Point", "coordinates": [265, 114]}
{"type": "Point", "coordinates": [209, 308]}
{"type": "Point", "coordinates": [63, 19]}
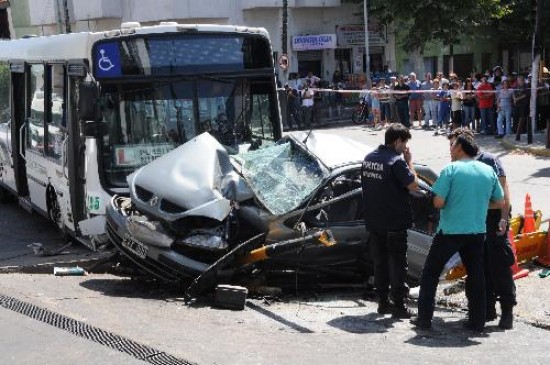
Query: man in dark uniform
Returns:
{"type": "Point", "coordinates": [402, 101]}
{"type": "Point", "coordinates": [499, 281]}
{"type": "Point", "coordinates": [387, 177]}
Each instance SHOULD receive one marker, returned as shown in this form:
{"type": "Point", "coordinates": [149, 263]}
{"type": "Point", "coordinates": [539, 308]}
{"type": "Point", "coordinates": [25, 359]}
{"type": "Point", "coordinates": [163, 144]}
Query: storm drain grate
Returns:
{"type": "Point", "coordinates": [116, 342]}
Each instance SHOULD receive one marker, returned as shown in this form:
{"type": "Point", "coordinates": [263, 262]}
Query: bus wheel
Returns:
{"type": "Point", "coordinates": [5, 196]}
{"type": "Point", "coordinates": [54, 210]}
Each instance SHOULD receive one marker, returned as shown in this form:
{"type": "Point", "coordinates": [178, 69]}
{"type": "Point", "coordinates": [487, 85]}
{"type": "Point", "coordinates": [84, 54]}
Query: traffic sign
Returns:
{"type": "Point", "coordinates": [283, 62]}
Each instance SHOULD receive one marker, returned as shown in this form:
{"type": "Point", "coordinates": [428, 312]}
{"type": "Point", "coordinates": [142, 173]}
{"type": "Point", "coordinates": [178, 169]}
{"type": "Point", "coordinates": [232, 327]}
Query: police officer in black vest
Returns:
{"type": "Point", "coordinates": [387, 177]}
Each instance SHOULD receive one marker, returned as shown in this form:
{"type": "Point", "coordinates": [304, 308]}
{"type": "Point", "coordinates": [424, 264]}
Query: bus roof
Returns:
{"type": "Point", "coordinates": [78, 45]}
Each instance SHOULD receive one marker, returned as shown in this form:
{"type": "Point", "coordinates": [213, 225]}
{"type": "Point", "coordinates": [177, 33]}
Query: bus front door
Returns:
{"type": "Point", "coordinates": [18, 102]}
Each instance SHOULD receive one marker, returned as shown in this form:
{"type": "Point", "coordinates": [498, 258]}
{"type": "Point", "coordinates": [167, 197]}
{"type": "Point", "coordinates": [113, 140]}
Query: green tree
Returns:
{"type": "Point", "coordinates": [437, 20]}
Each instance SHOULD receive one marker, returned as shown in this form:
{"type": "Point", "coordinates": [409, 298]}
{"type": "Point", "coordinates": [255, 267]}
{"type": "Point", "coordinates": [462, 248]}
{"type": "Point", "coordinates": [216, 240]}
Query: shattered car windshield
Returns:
{"type": "Point", "coordinates": [281, 176]}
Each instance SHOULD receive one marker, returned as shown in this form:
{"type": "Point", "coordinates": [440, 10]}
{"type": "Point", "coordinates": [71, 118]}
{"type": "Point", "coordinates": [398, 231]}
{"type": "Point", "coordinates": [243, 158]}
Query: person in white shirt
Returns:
{"type": "Point", "coordinates": [456, 105]}
{"type": "Point", "coordinates": [307, 104]}
{"type": "Point", "coordinates": [314, 80]}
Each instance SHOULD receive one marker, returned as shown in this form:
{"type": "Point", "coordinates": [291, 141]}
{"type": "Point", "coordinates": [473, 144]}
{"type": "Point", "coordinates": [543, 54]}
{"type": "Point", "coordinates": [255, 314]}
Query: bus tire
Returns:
{"type": "Point", "coordinates": [5, 196]}
{"type": "Point", "coordinates": [54, 209]}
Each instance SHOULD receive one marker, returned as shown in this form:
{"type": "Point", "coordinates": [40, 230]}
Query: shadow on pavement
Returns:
{"type": "Point", "coordinates": [370, 323]}
{"type": "Point", "coordinates": [135, 288]}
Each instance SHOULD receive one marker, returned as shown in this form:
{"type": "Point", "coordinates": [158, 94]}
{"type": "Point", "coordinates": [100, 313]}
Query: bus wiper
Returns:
{"type": "Point", "coordinates": [214, 78]}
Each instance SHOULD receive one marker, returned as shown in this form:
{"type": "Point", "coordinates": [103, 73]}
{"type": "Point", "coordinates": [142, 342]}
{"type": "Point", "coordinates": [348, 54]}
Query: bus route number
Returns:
{"type": "Point", "coordinates": [93, 203]}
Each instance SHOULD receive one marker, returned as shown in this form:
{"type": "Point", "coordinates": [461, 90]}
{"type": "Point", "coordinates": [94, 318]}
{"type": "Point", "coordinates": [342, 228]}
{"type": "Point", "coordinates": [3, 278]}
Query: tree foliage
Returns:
{"type": "Point", "coordinates": [437, 20]}
{"type": "Point", "coordinates": [517, 25]}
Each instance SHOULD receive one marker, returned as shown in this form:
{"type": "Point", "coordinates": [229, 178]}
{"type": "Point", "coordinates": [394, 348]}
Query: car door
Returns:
{"type": "Point", "coordinates": [338, 207]}
{"type": "Point", "coordinates": [420, 236]}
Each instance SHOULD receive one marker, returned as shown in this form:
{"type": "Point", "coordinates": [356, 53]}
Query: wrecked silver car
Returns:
{"type": "Point", "coordinates": [198, 205]}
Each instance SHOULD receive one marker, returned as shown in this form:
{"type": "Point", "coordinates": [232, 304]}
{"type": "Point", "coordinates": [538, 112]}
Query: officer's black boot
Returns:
{"type": "Point", "coordinates": [507, 318]}
{"type": "Point", "coordinates": [400, 310]}
{"type": "Point", "coordinates": [384, 305]}
{"type": "Point", "coordinates": [491, 313]}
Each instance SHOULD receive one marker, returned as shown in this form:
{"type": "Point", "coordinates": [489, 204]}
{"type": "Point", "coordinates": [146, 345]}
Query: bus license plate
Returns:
{"type": "Point", "coordinates": [136, 247]}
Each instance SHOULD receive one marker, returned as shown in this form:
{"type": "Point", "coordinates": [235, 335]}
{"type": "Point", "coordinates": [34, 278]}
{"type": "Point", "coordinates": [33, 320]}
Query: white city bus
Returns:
{"type": "Point", "coordinates": [80, 112]}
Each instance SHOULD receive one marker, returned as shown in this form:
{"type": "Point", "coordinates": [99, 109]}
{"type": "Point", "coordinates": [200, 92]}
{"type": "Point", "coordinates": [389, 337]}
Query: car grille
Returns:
{"type": "Point", "coordinates": [170, 207]}
{"type": "Point", "coordinates": [143, 194]}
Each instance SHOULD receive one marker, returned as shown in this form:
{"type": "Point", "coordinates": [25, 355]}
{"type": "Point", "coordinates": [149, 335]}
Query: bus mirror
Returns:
{"type": "Point", "coordinates": [88, 101]}
{"type": "Point", "coordinates": [95, 129]}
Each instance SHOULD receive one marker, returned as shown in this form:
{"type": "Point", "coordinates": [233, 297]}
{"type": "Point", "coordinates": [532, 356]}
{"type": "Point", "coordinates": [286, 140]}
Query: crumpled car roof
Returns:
{"type": "Point", "coordinates": [324, 145]}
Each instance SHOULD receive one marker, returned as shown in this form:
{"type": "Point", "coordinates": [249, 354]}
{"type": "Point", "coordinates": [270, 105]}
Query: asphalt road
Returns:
{"type": "Point", "coordinates": [322, 329]}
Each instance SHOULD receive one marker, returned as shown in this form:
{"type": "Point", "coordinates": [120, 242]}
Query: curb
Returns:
{"type": "Point", "coordinates": [47, 268]}
{"type": "Point", "coordinates": [538, 151]}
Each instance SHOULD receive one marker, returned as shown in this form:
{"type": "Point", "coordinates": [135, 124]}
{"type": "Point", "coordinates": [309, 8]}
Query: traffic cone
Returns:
{"type": "Point", "coordinates": [517, 272]}
{"type": "Point", "coordinates": [529, 220]}
{"type": "Point", "coordinates": [545, 259]}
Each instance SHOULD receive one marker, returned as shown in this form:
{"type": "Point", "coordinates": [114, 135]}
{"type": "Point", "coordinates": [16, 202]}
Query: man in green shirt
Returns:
{"type": "Point", "coordinates": [463, 192]}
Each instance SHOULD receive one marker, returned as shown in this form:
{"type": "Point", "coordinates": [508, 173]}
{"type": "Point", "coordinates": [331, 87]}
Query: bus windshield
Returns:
{"type": "Point", "coordinates": [148, 119]}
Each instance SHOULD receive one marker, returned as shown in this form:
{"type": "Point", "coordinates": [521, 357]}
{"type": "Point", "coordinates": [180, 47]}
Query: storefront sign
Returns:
{"type": "Point", "coordinates": [354, 35]}
{"type": "Point", "coordinates": [313, 42]}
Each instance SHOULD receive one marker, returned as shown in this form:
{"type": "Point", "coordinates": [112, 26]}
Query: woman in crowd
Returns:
{"type": "Point", "coordinates": [504, 109]}
{"type": "Point", "coordinates": [469, 104]}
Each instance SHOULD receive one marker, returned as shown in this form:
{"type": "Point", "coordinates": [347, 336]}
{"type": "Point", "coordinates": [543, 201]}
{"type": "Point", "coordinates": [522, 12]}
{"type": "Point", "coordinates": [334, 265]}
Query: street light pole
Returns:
{"type": "Point", "coordinates": [367, 53]}
{"type": "Point", "coordinates": [535, 69]}
{"type": "Point", "coordinates": [285, 25]}
{"type": "Point", "coordinates": [284, 39]}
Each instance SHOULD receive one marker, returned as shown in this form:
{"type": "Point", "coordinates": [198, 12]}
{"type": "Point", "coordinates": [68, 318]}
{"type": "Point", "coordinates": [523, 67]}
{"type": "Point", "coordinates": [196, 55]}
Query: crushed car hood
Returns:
{"type": "Point", "coordinates": [195, 179]}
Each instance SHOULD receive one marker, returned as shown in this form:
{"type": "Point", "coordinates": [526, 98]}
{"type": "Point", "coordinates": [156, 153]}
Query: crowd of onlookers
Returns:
{"type": "Point", "coordinates": [491, 103]}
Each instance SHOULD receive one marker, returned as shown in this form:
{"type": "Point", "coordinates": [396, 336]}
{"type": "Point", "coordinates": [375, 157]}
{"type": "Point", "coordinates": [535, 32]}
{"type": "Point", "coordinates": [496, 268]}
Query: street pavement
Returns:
{"type": "Point", "coordinates": [313, 328]}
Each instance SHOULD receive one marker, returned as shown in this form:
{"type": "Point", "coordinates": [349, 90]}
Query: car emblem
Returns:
{"type": "Point", "coordinates": [154, 200]}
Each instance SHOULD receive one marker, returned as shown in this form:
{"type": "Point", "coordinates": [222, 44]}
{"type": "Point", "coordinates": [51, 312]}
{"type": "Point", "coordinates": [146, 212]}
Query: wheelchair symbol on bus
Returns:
{"type": "Point", "coordinates": [105, 63]}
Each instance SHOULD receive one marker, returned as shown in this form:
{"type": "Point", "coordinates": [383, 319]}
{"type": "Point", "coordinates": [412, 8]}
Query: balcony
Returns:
{"type": "Point", "coordinates": [41, 12]}
{"type": "Point", "coordinates": [258, 4]}
{"type": "Point", "coordinates": [317, 3]}
{"type": "Point", "coordinates": [159, 10]}
{"type": "Point", "coordinates": [97, 9]}
{"type": "Point", "coordinates": [210, 9]}
{"type": "Point", "coordinates": [265, 4]}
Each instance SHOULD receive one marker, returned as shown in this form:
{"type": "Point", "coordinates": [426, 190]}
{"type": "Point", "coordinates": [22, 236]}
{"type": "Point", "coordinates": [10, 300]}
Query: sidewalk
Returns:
{"type": "Point", "coordinates": [538, 147]}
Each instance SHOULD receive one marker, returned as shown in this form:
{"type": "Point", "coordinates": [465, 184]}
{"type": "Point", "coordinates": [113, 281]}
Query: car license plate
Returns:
{"type": "Point", "coordinates": [136, 247]}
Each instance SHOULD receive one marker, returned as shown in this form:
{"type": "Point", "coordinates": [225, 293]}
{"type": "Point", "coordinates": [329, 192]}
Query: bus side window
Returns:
{"type": "Point", "coordinates": [4, 93]}
{"type": "Point", "coordinates": [5, 115]}
{"type": "Point", "coordinates": [57, 124]}
{"type": "Point", "coordinates": [35, 115]}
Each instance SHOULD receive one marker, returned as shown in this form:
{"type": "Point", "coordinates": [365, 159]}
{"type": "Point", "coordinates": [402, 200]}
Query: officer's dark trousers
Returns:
{"type": "Point", "coordinates": [499, 256]}
{"type": "Point", "coordinates": [389, 253]}
{"type": "Point", "coordinates": [444, 246]}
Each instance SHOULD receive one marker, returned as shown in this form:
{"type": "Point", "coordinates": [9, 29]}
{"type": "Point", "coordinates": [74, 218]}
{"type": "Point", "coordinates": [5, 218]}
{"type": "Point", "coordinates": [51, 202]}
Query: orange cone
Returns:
{"type": "Point", "coordinates": [517, 272]}
{"type": "Point", "coordinates": [529, 220]}
{"type": "Point", "coordinates": [545, 259]}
